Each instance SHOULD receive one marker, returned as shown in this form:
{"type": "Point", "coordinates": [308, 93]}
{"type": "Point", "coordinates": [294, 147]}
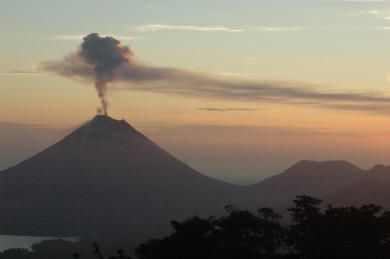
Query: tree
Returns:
{"type": "Point", "coordinates": [338, 233]}
{"type": "Point", "coordinates": [17, 253]}
{"type": "Point", "coordinates": [191, 239]}
{"type": "Point", "coordinates": [331, 233]}
{"type": "Point", "coordinates": [303, 234]}
{"type": "Point", "coordinates": [240, 234]}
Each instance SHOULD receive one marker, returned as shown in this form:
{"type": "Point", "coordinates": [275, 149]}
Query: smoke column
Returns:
{"type": "Point", "coordinates": [104, 54]}
{"type": "Point", "coordinates": [104, 60]}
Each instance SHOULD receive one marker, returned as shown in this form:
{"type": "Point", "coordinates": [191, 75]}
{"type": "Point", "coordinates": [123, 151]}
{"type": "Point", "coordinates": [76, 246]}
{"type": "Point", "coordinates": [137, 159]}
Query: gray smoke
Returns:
{"type": "Point", "coordinates": [104, 54]}
{"type": "Point", "coordinates": [105, 60]}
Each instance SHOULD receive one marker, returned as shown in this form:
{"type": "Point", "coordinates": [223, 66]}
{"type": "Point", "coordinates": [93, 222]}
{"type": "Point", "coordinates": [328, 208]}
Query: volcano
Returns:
{"type": "Point", "coordinates": [107, 178]}
{"type": "Point", "coordinates": [104, 177]}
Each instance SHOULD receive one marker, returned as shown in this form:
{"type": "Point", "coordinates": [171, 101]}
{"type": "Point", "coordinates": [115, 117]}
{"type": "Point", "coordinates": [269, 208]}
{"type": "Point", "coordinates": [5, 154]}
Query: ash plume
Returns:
{"type": "Point", "coordinates": [104, 54]}
{"type": "Point", "coordinates": [105, 60]}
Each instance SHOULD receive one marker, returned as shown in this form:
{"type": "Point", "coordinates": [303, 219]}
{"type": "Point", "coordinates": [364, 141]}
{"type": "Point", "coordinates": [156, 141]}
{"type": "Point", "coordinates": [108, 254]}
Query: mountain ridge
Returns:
{"type": "Point", "coordinates": [106, 176]}
{"type": "Point", "coordinates": [103, 174]}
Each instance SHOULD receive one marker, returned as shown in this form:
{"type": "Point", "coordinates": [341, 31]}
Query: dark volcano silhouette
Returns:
{"type": "Point", "coordinates": [105, 176]}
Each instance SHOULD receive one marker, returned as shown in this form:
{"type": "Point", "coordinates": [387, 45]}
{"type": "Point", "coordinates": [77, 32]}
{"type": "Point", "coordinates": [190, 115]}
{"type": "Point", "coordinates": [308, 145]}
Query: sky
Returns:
{"type": "Point", "coordinates": [335, 54]}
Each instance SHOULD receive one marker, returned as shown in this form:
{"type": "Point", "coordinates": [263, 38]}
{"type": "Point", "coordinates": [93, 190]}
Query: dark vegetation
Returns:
{"type": "Point", "coordinates": [314, 233]}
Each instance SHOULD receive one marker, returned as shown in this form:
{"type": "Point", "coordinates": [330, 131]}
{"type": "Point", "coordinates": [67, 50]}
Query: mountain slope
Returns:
{"type": "Point", "coordinates": [371, 191]}
{"type": "Point", "coordinates": [307, 177]}
{"type": "Point", "coordinates": [379, 172]}
{"type": "Point", "coordinates": [105, 176]}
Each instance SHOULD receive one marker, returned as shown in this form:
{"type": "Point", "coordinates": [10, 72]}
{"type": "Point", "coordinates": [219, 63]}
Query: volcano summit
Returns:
{"type": "Point", "coordinates": [104, 177]}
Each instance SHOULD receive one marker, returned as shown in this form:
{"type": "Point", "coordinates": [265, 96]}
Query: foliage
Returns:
{"type": "Point", "coordinates": [17, 253]}
{"type": "Point", "coordinates": [337, 233]}
{"type": "Point", "coordinates": [314, 233]}
{"type": "Point", "coordinates": [240, 234]}
{"type": "Point", "coordinates": [345, 232]}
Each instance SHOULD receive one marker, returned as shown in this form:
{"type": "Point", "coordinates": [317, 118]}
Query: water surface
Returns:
{"type": "Point", "coordinates": [8, 241]}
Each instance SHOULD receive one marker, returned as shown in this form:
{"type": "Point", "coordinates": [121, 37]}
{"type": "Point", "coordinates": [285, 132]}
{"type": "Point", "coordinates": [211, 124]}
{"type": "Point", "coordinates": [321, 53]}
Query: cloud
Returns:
{"type": "Point", "coordinates": [21, 72]}
{"type": "Point", "coordinates": [211, 28]}
{"type": "Point", "coordinates": [378, 14]}
{"type": "Point", "coordinates": [133, 75]}
{"type": "Point", "coordinates": [212, 109]}
{"type": "Point", "coordinates": [161, 27]}
{"type": "Point", "coordinates": [370, 12]}
{"type": "Point", "coordinates": [384, 28]}
{"type": "Point", "coordinates": [250, 132]}
{"type": "Point", "coordinates": [79, 37]}
{"type": "Point", "coordinates": [279, 29]}
{"type": "Point", "coordinates": [235, 74]}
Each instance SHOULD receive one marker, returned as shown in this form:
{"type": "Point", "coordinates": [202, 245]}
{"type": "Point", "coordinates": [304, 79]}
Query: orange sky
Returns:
{"type": "Point", "coordinates": [331, 46]}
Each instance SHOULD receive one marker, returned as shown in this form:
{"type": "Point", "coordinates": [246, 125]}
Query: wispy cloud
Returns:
{"type": "Point", "coordinates": [377, 14]}
{"type": "Point", "coordinates": [384, 28]}
{"type": "Point", "coordinates": [277, 29]}
{"type": "Point", "coordinates": [161, 27]}
{"type": "Point", "coordinates": [212, 28]}
{"type": "Point", "coordinates": [370, 12]}
{"type": "Point", "coordinates": [21, 72]}
{"type": "Point", "coordinates": [251, 132]}
{"type": "Point", "coordinates": [213, 109]}
{"type": "Point", "coordinates": [236, 74]}
{"type": "Point", "coordinates": [79, 37]}
{"type": "Point", "coordinates": [133, 75]}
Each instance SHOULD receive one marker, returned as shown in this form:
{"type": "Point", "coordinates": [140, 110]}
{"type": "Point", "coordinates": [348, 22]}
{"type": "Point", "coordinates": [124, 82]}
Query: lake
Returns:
{"type": "Point", "coordinates": [7, 241]}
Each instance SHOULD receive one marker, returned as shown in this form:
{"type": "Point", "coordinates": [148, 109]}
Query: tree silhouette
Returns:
{"type": "Point", "coordinates": [240, 234]}
{"type": "Point", "coordinates": [303, 234]}
{"type": "Point", "coordinates": [121, 255]}
{"type": "Point", "coordinates": [331, 233]}
{"type": "Point", "coordinates": [344, 232]}
{"type": "Point", "coordinates": [17, 253]}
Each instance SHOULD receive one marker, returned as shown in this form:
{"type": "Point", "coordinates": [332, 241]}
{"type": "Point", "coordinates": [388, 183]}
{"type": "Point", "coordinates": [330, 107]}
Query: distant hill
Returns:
{"type": "Point", "coordinates": [374, 188]}
{"type": "Point", "coordinates": [106, 177]}
{"type": "Point", "coordinates": [376, 191]}
{"type": "Point", "coordinates": [307, 177]}
{"type": "Point", "coordinates": [379, 172]}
